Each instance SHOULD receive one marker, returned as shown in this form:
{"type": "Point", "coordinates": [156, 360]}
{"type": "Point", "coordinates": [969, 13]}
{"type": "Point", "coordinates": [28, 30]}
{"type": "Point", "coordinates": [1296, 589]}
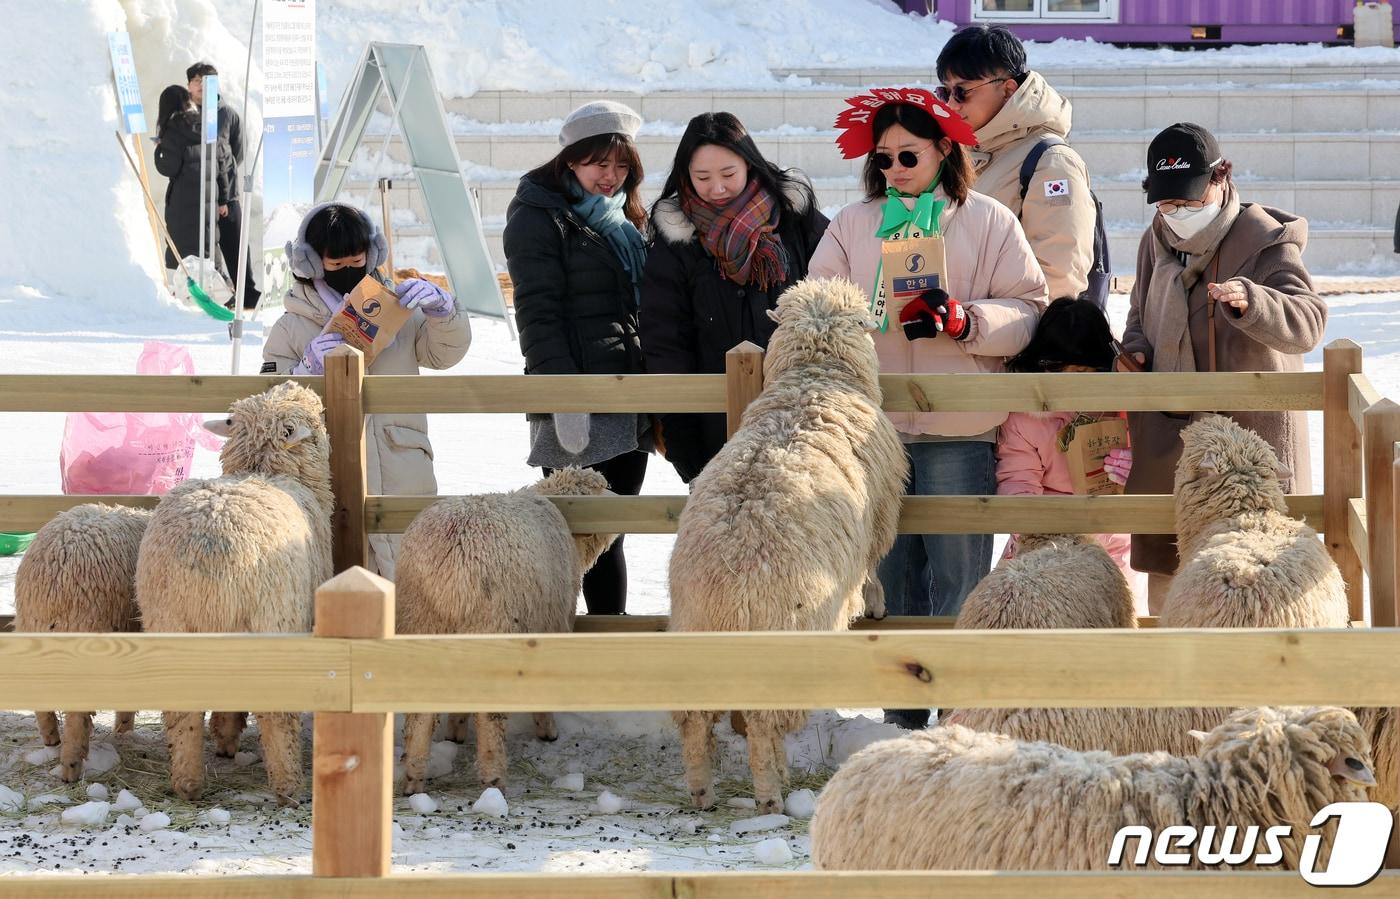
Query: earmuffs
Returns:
{"type": "Point", "coordinates": [305, 262]}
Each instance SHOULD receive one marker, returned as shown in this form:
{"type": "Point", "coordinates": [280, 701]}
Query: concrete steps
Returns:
{"type": "Point", "coordinates": [1116, 76]}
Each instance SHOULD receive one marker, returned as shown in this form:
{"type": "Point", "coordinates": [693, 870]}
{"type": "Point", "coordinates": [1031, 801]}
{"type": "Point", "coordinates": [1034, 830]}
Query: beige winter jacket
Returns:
{"type": "Point", "coordinates": [398, 456]}
{"type": "Point", "coordinates": [1058, 214]}
{"type": "Point", "coordinates": [990, 268]}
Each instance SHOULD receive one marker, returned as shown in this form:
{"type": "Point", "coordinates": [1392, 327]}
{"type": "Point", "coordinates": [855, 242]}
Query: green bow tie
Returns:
{"type": "Point", "coordinates": [924, 215]}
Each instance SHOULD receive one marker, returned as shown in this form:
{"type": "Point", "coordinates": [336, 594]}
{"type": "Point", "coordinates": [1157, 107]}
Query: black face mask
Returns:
{"type": "Point", "coordinates": [343, 280]}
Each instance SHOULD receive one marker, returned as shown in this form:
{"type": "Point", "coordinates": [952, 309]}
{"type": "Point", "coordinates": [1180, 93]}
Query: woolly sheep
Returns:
{"type": "Point", "coordinates": [953, 798]}
{"type": "Point", "coordinates": [499, 563]}
{"type": "Point", "coordinates": [79, 576]}
{"type": "Point", "coordinates": [785, 526]}
{"type": "Point", "coordinates": [244, 553]}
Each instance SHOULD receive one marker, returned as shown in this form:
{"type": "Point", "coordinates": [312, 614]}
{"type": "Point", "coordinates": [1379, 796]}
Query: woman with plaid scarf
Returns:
{"type": "Point", "coordinates": [730, 233]}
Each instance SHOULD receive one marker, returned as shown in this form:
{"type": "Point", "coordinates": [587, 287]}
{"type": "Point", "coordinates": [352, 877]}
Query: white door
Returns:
{"type": "Point", "coordinates": [1045, 11]}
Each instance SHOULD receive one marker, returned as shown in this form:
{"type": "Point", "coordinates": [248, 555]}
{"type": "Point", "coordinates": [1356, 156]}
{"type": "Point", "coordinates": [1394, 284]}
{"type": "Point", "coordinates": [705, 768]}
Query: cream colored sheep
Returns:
{"type": "Point", "coordinates": [244, 553]}
{"type": "Point", "coordinates": [785, 526]}
{"type": "Point", "coordinates": [953, 798]}
{"type": "Point", "coordinates": [79, 576]}
{"type": "Point", "coordinates": [499, 563]}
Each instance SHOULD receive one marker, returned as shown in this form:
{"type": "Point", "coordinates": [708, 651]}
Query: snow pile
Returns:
{"type": "Point", "coordinates": [10, 801]}
{"type": "Point", "coordinates": [571, 782]}
{"type": "Point", "coordinates": [772, 852]}
{"type": "Point", "coordinates": [442, 759]}
{"type": "Point", "coordinates": [218, 817]}
{"type": "Point", "coordinates": [97, 791]}
{"type": "Point", "coordinates": [155, 821]}
{"type": "Point", "coordinates": [491, 803]}
{"type": "Point", "coordinates": [609, 803]}
{"type": "Point", "coordinates": [89, 814]}
{"type": "Point", "coordinates": [800, 804]}
{"type": "Point", "coordinates": [759, 824]}
{"type": "Point", "coordinates": [422, 803]}
{"type": "Point", "coordinates": [126, 802]}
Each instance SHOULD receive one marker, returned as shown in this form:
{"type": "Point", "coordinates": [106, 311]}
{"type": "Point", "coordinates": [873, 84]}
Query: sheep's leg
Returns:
{"type": "Point", "coordinates": [126, 723]}
{"type": "Point", "coordinates": [491, 749]}
{"type": "Point", "coordinates": [697, 751]}
{"type": "Point", "coordinates": [184, 734]}
{"type": "Point", "coordinates": [48, 727]}
{"type": "Point", "coordinates": [780, 756]}
{"type": "Point", "coordinates": [457, 727]}
{"type": "Point", "coordinates": [874, 595]}
{"type": "Point", "coordinates": [767, 783]}
{"type": "Point", "coordinates": [417, 743]}
{"type": "Point", "coordinates": [226, 728]}
{"type": "Point", "coordinates": [280, 733]}
{"type": "Point", "coordinates": [545, 728]}
{"type": "Point", "coordinates": [77, 729]}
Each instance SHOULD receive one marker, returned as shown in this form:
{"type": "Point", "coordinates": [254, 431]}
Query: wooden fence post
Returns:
{"type": "Point", "coordinates": [345, 425]}
{"type": "Point", "coordinates": [1382, 422]}
{"type": "Point", "coordinates": [1342, 473]}
{"type": "Point", "coordinates": [1395, 526]}
{"type": "Point", "coordinates": [743, 382]}
{"type": "Point", "coordinates": [352, 756]}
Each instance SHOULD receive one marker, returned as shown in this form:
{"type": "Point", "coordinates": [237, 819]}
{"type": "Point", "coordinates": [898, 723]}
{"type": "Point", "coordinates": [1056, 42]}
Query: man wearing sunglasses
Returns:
{"type": "Point", "coordinates": [1012, 110]}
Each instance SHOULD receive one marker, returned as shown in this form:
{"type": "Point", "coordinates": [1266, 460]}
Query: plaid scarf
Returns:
{"type": "Point", "coordinates": [741, 235]}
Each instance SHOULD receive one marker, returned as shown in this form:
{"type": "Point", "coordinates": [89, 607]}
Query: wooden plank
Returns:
{"type": "Point", "coordinates": [1382, 429]}
{"type": "Point", "coordinates": [345, 425]}
{"type": "Point", "coordinates": [1145, 514]}
{"type": "Point", "coordinates": [1356, 525]}
{"type": "Point", "coordinates": [29, 512]}
{"type": "Point", "coordinates": [704, 885]}
{"type": "Point", "coordinates": [743, 382]}
{"type": "Point", "coordinates": [1361, 395]}
{"type": "Point", "coordinates": [545, 393]}
{"type": "Point", "coordinates": [639, 624]}
{"type": "Point", "coordinates": [178, 673]}
{"type": "Point", "coordinates": [353, 754]}
{"type": "Point", "coordinates": [1160, 391]}
{"type": "Point", "coordinates": [909, 669]}
{"type": "Point", "coordinates": [134, 393]}
{"type": "Point", "coordinates": [1342, 476]}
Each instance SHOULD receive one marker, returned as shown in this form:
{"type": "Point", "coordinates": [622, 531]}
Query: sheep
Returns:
{"type": "Point", "coordinates": [954, 798]}
{"type": "Point", "coordinates": [79, 576]}
{"type": "Point", "coordinates": [784, 528]}
{"type": "Point", "coordinates": [244, 553]}
{"type": "Point", "coordinates": [499, 563]}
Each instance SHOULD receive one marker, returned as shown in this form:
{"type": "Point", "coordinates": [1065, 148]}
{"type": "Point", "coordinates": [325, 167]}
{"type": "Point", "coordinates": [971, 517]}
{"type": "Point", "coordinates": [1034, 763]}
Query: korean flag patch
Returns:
{"type": "Point", "coordinates": [1057, 188]}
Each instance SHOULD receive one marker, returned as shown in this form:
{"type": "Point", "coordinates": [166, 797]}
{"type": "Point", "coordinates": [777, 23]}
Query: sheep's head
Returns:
{"type": "Point", "coordinates": [579, 482]}
{"type": "Point", "coordinates": [1225, 470]}
{"type": "Point", "coordinates": [824, 323]}
{"type": "Point", "coordinates": [1292, 760]}
{"type": "Point", "coordinates": [278, 431]}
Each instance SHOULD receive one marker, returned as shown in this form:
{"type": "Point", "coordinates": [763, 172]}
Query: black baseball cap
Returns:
{"type": "Point", "coordinates": [1180, 161]}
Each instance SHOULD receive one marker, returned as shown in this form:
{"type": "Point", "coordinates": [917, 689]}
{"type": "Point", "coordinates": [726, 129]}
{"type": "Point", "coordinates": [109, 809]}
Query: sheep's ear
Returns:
{"type": "Point", "coordinates": [294, 435]}
{"type": "Point", "coordinates": [1209, 464]}
{"type": "Point", "coordinates": [220, 426]}
{"type": "Point", "coordinates": [1284, 472]}
{"type": "Point", "coordinates": [1354, 770]}
{"type": "Point", "coordinates": [869, 324]}
{"type": "Point", "coordinates": [775, 315]}
{"type": "Point", "coordinates": [1198, 735]}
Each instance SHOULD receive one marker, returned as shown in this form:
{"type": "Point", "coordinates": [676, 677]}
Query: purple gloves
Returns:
{"type": "Point", "coordinates": [1118, 464]}
{"type": "Point", "coordinates": [416, 293]}
{"type": "Point", "coordinates": [314, 359]}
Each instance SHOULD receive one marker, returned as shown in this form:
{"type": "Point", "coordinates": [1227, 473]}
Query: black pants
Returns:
{"type": "Point", "coordinates": [229, 229]}
{"type": "Point", "coordinates": [605, 584]}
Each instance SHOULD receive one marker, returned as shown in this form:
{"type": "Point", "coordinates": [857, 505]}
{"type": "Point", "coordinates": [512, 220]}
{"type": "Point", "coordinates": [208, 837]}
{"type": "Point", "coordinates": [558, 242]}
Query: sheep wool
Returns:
{"type": "Point", "coordinates": [79, 576]}
{"type": "Point", "coordinates": [498, 563]}
{"type": "Point", "coordinates": [953, 798]}
{"type": "Point", "coordinates": [784, 528]}
{"type": "Point", "coordinates": [244, 553]}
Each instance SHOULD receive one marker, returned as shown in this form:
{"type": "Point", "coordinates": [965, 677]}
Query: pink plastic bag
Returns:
{"type": "Point", "coordinates": [134, 452]}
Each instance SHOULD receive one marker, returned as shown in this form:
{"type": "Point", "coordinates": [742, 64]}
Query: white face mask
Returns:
{"type": "Point", "coordinates": [1188, 222]}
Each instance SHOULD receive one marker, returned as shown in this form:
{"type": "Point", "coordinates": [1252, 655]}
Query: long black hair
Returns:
{"type": "Point", "coordinates": [174, 100]}
{"type": "Point", "coordinates": [1070, 332]}
{"type": "Point", "coordinates": [723, 129]}
{"type": "Point", "coordinates": [957, 169]}
{"type": "Point", "coordinates": [555, 174]}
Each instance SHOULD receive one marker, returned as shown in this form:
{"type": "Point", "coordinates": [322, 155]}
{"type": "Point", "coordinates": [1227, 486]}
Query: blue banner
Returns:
{"type": "Point", "coordinates": [211, 109]}
{"type": "Point", "coordinates": [128, 90]}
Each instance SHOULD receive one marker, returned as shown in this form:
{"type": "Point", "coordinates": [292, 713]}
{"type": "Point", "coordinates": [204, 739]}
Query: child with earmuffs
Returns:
{"type": "Point", "coordinates": [335, 247]}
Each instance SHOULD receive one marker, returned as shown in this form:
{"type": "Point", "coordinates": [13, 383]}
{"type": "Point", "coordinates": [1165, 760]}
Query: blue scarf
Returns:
{"type": "Point", "coordinates": [605, 215]}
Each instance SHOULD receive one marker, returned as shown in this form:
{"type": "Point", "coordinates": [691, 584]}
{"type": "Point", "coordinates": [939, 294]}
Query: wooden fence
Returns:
{"type": "Point", "coordinates": [353, 672]}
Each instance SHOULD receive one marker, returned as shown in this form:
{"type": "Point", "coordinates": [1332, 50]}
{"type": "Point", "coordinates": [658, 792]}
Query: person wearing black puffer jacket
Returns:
{"type": "Point", "coordinates": [730, 233]}
{"type": "Point", "coordinates": [575, 252]}
{"type": "Point", "coordinates": [177, 158]}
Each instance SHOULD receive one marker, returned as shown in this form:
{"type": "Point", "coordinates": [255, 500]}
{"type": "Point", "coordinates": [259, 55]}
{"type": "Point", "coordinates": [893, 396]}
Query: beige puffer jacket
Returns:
{"type": "Point", "coordinates": [1058, 214]}
{"type": "Point", "coordinates": [398, 456]}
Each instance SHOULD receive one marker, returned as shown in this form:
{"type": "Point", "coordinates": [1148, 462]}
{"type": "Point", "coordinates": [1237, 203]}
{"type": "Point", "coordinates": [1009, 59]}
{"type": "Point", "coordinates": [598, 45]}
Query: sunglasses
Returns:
{"type": "Point", "coordinates": [959, 94]}
{"type": "Point", "coordinates": [907, 158]}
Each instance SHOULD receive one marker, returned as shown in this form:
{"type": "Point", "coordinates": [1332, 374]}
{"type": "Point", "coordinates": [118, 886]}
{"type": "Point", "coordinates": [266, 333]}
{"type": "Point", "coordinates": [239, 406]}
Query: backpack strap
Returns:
{"type": "Point", "coordinates": [1028, 165]}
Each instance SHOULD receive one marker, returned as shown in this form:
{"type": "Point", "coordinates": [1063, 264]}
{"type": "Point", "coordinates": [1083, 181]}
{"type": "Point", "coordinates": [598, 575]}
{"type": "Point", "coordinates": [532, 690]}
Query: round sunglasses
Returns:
{"type": "Point", "coordinates": [959, 94]}
{"type": "Point", "coordinates": [907, 158]}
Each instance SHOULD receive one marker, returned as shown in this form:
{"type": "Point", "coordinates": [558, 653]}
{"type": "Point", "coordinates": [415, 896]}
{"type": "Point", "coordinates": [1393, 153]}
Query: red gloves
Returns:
{"type": "Point", "coordinates": [932, 312]}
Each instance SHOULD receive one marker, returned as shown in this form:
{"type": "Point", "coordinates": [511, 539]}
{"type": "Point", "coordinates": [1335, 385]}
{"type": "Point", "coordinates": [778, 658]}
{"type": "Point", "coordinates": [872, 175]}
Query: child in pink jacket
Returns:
{"type": "Point", "coordinates": [1071, 336]}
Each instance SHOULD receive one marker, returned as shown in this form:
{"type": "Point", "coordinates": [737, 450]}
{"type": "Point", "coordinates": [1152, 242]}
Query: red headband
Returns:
{"type": "Point", "coordinates": [857, 121]}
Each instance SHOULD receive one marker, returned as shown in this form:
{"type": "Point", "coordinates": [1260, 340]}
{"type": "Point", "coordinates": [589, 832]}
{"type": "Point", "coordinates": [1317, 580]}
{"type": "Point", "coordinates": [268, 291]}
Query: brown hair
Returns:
{"type": "Point", "coordinates": [555, 174]}
{"type": "Point", "coordinates": [957, 169]}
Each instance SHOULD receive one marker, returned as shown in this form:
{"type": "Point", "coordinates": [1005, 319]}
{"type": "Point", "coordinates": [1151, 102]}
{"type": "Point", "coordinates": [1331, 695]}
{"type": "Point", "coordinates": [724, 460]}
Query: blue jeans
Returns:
{"type": "Point", "coordinates": [931, 574]}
